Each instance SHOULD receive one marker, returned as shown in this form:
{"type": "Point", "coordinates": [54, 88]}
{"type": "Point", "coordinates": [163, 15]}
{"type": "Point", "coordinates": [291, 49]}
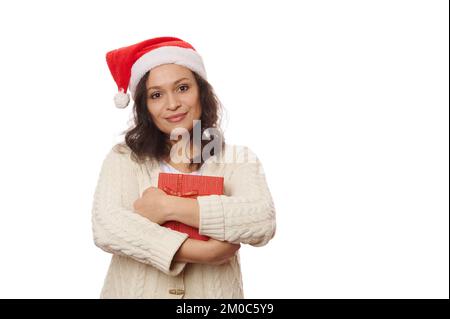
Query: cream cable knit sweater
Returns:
{"type": "Point", "coordinates": [142, 265]}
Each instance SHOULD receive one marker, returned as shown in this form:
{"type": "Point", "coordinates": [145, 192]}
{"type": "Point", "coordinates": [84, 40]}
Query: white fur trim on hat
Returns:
{"type": "Point", "coordinates": [168, 54]}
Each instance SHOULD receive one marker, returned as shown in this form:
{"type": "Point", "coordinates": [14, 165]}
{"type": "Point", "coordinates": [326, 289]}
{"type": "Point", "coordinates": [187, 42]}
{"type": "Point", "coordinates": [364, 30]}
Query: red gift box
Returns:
{"type": "Point", "coordinates": [190, 186]}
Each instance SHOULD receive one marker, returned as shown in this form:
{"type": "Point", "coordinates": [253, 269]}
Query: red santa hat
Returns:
{"type": "Point", "coordinates": [129, 64]}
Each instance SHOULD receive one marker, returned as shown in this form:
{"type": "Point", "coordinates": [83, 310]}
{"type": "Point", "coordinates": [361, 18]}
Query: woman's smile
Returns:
{"type": "Point", "coordinates": [176, 117]}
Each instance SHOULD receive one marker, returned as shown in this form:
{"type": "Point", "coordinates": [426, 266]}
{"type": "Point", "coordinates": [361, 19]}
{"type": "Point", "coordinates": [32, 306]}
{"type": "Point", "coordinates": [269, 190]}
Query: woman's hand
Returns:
{"type": "Point", "coordinates": [153, 205]}
{"type": "Point", "coordinates": [219, 252]}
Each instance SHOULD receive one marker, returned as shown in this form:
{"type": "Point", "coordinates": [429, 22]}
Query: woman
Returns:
{"type": "Point", "coordinates": [173, 101]}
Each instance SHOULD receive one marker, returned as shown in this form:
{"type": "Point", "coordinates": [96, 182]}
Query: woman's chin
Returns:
{"type": "Point", "coordinates": [179, 129]}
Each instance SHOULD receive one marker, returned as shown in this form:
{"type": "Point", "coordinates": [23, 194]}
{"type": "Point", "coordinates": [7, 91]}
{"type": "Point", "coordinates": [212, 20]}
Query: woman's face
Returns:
{"type": "Point", "coordinates": [172, 90]}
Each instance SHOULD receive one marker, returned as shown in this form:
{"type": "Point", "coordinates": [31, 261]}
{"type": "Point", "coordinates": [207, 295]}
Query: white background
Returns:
{"type": "Point", "coordinates": [344, 102]}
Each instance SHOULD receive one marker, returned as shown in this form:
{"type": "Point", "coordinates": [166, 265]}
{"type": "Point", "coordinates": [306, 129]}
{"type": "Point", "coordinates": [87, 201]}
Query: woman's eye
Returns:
{"type": "Point", "coordinates": [184, 86]}
{"type": "Point", "coordinates": [154, 95]}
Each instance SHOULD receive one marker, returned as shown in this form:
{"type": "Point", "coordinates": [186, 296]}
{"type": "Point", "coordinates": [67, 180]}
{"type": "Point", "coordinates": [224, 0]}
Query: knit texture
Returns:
{"type": "Point", "coordinates": [142, 251]}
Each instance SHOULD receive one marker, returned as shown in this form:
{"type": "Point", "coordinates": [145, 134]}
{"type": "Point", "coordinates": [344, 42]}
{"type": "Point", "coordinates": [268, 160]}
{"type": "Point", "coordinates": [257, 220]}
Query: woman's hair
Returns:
{"type": "Point", "coordinates": [145, 139]}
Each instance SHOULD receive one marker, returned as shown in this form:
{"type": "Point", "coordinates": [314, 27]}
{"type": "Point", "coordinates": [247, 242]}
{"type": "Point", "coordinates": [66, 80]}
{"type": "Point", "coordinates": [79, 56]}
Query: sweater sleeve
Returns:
{"type": "Point", "coordinates": [247, 213]}
{"type": "Point", "coordinates": [118, 229]}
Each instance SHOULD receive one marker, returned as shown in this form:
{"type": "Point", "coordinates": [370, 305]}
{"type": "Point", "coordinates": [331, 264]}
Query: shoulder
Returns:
{"type": "Point", "coordinates": [121, 148]}
{"type": "Point", "coordinates": [121, 154]}
{"type": "Point", "coordinates": [236, 160]}
{"type": "Point", "coordinates": [236, 154]}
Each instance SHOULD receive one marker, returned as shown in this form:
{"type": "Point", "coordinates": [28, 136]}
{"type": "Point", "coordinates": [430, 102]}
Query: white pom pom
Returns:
{"type": "Point", "coordinates": [121, 99]}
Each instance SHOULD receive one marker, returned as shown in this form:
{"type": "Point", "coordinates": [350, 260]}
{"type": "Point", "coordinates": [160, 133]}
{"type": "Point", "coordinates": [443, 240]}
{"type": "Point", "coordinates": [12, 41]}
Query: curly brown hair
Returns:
{"type": "Point", "coordinates": [147, 142]}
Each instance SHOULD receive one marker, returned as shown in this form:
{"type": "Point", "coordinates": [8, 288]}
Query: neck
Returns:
{"type": "Point", "coordinates": [187, 155]}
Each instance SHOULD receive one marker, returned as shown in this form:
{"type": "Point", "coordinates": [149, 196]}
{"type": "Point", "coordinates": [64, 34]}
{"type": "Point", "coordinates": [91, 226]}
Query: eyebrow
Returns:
{"type": "Point", "coordinates": [158, 87]}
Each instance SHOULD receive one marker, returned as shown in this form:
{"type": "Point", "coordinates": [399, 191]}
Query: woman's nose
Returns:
{"type": "Point", "coordinates": [173, 102]}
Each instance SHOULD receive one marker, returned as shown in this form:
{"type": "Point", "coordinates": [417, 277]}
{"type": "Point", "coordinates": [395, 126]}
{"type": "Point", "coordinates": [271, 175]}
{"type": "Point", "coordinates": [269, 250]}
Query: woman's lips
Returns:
{"type": "Point", "coordinates": [177, 119]}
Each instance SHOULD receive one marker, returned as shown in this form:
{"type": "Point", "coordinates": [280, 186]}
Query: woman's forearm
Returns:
{"type": "Point", "coordinates": [184, 210]}
{"type": "Point", "coordinates": [191, 251]}
{"type": "Point", "coordinates": [213, 252]}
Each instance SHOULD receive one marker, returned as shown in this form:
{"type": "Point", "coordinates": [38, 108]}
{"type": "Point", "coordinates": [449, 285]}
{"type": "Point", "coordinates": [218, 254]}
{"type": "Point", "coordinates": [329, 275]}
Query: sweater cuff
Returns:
{"type": "Point", "coordinates": [212, 222]}
{"type": "Point", "coordinates": [171, 245]}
